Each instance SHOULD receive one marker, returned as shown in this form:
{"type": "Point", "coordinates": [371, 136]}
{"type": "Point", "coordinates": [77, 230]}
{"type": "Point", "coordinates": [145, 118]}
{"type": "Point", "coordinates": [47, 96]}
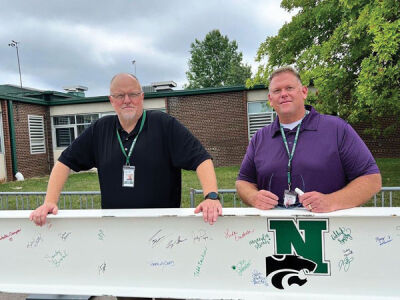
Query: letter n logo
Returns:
{"type": "Point", "coordinates": [303, 237]}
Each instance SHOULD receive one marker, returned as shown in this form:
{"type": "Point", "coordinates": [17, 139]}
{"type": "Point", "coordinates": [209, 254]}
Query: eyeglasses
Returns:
{"type": "Point", "coordinates": [131, 96]}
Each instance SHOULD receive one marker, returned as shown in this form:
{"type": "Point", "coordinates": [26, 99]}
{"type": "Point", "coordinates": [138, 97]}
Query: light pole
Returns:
{"type": "Point", "coordinates": [15, 44]}
{"type": "Point", "coordinates": [134, 64]}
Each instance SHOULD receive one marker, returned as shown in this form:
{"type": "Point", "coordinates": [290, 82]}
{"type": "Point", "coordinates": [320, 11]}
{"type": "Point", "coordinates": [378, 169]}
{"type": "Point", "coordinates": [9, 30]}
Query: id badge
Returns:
{"type": "Point", "coordinates": [128, 176]}
{"type": "Point", "coordinates": [289, 198]}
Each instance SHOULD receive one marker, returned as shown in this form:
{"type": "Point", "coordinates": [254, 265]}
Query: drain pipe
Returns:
{"type": "Point", "coordinates": [11, 128]}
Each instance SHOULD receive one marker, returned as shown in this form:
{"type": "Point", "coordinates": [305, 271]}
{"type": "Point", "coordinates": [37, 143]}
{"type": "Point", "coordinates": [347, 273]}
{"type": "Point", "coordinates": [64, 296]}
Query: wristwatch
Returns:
{"type": "Point", "coordinates": [212, 196]}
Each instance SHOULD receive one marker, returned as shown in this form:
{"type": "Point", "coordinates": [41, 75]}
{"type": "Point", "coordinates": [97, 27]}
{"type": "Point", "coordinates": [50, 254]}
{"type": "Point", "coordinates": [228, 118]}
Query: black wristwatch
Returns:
{"type": "Point", "coordinates": [212, 196]}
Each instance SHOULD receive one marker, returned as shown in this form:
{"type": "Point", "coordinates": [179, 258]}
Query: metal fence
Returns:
{"type": "Point", "coordinates": [387, 197]}
{"type": "Point", "coordinates": [231, 194]}
{"type": "Point", "coordinates": [31, 200]}
{"type": "Point", "coordinates": [391, 194]}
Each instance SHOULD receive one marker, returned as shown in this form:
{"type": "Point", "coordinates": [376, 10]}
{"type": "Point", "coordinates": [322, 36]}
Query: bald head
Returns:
{"type": "Point", "coordinates": [126, 97]}
{"type": "Point", "coordinates": [124, 77]}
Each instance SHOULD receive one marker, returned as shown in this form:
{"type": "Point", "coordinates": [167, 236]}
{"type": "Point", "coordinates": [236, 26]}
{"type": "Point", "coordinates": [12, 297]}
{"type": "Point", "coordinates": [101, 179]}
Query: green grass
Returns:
{"type": "Point", "coordinates": [226, 176]}
{"type": "Point", "coordinates": [85, 181]}
{"type": "Point", "coordinates": [390, 170]}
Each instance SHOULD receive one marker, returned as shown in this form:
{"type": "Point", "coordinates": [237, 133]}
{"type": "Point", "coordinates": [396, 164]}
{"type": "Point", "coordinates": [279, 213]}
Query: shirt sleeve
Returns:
{"type": "Point", "coordinates": [247, 171]}
{"type": "Point", "coordinates": [79, 156]}
{"type": "Point", "coordinates": [185, 149]}
{"type": "Point", "coordinates": [356, 158]}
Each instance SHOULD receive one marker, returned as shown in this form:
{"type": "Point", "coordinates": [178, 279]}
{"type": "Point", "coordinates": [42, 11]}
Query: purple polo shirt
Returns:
{"type": "Point", "coordinates": [329, 154]}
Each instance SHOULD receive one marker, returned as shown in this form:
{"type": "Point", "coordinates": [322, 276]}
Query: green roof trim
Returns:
{"type": "Point", "coordinates": [64, 98]}
{"type": "Point", "coordinates": [23, 99]}
{"type": "Point", "coordinates": [154, 95]}
{"type": "Point", "coordinates": [225, 89]}
{"type": "Point", "coordinates": [78, 100]}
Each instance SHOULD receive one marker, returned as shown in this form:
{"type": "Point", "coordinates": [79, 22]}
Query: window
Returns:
{"type": "Point", "coordinates": [67, 128]}
{"type": "Point", "coordinates": [36, 134]}
{"type": "Point", "coordinates": [259, 114]}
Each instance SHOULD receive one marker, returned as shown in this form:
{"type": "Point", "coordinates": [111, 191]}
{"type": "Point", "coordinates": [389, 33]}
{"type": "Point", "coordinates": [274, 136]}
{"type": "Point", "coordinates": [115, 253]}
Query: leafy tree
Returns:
{"type": "Point", "coordinates": [216, 62]}
{"type": "Point", "coordinates": [348, 49]}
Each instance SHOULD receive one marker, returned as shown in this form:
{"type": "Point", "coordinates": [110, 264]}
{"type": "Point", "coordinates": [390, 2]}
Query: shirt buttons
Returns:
{"type": "Point", "coordinates": [126, 149]}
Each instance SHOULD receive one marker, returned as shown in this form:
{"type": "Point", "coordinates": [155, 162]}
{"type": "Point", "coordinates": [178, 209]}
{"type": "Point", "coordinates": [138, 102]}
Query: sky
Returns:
{"type": "Point", "coordinates": [86, 42]}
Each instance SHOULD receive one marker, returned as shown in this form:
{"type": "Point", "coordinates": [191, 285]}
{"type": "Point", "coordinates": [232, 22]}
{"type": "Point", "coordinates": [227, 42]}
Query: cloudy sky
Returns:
{"type": "Point", "coordinates": [86, 42]}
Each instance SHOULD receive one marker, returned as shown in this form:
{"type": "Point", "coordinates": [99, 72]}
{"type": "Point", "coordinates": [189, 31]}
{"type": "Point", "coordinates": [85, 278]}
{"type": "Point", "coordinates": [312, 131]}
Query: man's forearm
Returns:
{"type": "Point", "coordinates": [357, 192]}
{"type": "Point", "coordinates": [58, 177]}
{"type": "Point", "coordinates": [246, 191]}
{"type": "Point", "coordinates": [206, 174]}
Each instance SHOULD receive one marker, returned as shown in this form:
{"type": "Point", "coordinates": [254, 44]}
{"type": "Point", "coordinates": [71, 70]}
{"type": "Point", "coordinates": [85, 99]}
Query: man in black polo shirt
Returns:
{"type": "Point", "coordinates": [139, 156]}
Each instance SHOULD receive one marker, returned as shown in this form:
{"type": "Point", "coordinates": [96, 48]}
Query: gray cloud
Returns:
{"type": "Point", "coordinates": [87, 42]}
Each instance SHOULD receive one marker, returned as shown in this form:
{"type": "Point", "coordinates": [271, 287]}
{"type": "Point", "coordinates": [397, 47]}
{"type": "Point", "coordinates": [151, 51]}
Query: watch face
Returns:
{"type": "Point", "coordinates": [212, 195]}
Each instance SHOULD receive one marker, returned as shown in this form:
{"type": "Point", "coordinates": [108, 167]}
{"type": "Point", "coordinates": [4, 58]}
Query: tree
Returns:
{"type": "Point", "coordinates": [215, 62]}
{"type": "Point", "coordinates": [348, 49]}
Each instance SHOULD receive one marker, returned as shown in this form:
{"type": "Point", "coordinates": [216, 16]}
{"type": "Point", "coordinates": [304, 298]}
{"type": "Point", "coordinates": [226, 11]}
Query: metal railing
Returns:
{"type": "Point", "coordinates": [31, 200]}
{"type": "Point", "coordinates": [387, 191]}
{"type": "Point", "coordinates": [223, 193]}
{"type": "Point", "coordinates": [387, 197]}
{"type": "Point", "coordinates": [386, 194]}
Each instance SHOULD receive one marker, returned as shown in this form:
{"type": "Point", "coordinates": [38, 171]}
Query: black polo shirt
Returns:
{"type": "Point", "coordinates": [163, 148]}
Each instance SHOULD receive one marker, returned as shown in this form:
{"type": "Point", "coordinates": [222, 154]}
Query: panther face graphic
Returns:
{"type": "Point", "coordinates": [286, 270]}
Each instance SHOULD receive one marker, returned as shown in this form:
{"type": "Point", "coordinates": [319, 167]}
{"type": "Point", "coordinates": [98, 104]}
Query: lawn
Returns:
{"type": "Point", "coordinates": [226, 176]}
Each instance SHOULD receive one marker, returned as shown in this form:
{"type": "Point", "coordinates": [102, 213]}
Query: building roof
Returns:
{"type": "Point", "coordinates": [52, 98]}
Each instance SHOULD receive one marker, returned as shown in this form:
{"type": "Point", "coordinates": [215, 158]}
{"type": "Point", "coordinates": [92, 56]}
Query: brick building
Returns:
{"type": "Point", "coordinates": [36, 126]}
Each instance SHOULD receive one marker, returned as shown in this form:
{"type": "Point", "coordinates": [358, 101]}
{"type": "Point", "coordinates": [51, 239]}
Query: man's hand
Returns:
{"type": "Point", "coordinates": [317, 202]}
{"type": "Point", "coordinates": [39, 215]}
{"type": "Point", "coordinates": [264, 200]}
{"type": "Point", "coordinates": [211, 210]}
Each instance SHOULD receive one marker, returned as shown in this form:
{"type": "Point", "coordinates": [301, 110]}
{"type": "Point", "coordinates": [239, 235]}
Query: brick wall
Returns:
{"type": "Point", "coordinates": [218, 120]}
{"type": "Point", "coordinates": [384, 145]}
{"type": "Point", "coordinates": [6, 137]}
{"type": "Point", "coordinates": [31, 165]}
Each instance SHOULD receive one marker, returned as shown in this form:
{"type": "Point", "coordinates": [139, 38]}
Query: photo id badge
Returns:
{"type": "Point", "coordinates": [128, 176]}
{"type": "Point", "coordinates": [289, 198]}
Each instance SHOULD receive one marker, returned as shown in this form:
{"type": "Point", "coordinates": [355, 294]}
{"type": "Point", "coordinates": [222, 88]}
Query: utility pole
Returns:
{"type": "Point", "coordinates": [15, 44]}
{"type": "Point", "coordinates": [134, 64]}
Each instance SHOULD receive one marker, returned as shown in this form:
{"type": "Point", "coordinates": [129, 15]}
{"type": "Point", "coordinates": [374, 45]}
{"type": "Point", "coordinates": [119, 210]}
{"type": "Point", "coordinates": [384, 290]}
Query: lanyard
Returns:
{"type": "Point", "coordinates": [290, 155]}
{"type": "Point", "coordinates": [134, 141]}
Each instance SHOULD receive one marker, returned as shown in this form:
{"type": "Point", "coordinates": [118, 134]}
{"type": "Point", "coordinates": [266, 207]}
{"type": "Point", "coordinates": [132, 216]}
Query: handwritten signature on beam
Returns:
{"type": "Point", "coordinates": [10, 235]}
{"type": "Point", "coordinates": [156, 238]}
{"type": "Point", "coordinates": [342, 235]}
{"type": "Point", "coordinates": [383, 240]}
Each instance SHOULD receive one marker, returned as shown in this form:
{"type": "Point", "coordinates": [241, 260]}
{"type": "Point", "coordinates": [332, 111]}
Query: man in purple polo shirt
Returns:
{"type": "Point", "coordinates": [321, 155]}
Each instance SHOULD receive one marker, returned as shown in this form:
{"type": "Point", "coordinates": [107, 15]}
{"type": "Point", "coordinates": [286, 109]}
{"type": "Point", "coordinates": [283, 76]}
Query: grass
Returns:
{"type": "Point", "coordinates": [390, 170]}
{"type": "Point", "coordinates": [226, 176]}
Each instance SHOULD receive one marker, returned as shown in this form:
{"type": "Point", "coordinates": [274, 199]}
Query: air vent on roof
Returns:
{"type": "Point", "coordinates": [76, 90]}
{"type": "Point", "coordinates": [148, 89]}
{"type": "Point", "coordinates": [163, 86]}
